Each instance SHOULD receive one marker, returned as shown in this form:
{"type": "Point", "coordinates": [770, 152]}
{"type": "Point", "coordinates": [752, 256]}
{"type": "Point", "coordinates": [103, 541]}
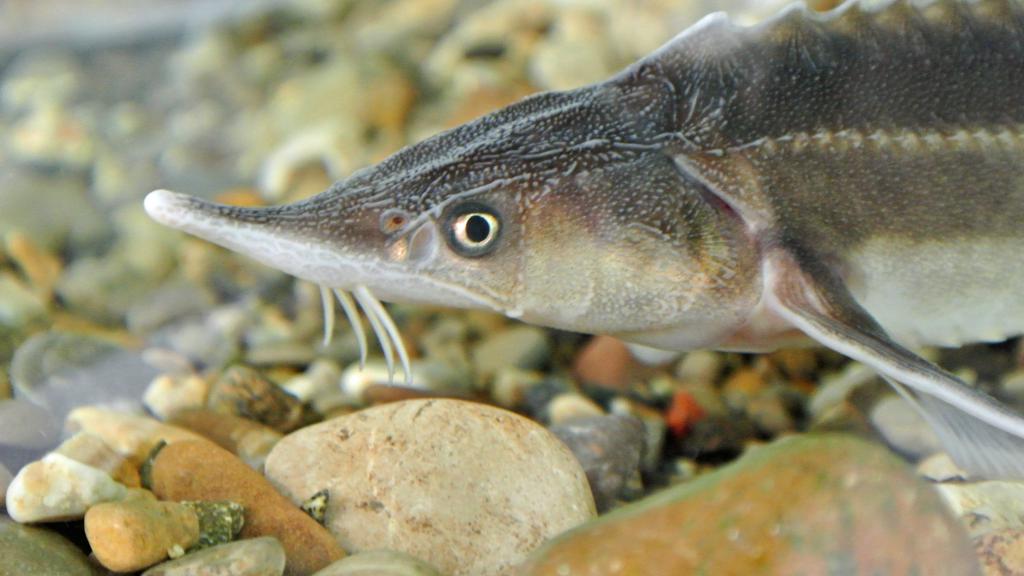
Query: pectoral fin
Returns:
{"type": "Point", "coordinates": [981, 434]}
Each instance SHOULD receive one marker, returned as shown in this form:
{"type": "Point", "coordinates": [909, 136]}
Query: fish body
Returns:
{"type": "Point", "coordinates": [855, 177]}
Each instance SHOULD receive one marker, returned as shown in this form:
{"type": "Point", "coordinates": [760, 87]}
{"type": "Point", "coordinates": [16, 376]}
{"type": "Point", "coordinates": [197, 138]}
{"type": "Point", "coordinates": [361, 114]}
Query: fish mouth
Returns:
{"type": "Point", "coordinates": [258, 234]}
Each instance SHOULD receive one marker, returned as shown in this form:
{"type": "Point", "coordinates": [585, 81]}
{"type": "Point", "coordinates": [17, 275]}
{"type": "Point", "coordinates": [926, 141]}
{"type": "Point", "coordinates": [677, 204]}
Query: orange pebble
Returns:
{"type": "Point", "coordinates": [203, 471]}
{"type": "Point", "coordinates": [683, 413]}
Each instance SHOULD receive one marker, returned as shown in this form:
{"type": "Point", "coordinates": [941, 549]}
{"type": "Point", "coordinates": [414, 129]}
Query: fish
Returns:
{"type": "Point", "coordinates": [853, 177]}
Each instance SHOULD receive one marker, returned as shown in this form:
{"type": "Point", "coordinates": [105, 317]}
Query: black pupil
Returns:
{"type": "Point", "coordinates": [477, 229]}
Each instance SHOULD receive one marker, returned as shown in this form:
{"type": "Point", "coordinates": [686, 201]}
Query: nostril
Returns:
{"type": "Point", "coordinates": [393, 220]}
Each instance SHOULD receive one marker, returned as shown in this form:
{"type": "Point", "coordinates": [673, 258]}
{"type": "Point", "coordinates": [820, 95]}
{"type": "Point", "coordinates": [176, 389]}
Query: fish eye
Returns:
{"type": "Point", "coordinates": [473, 230]}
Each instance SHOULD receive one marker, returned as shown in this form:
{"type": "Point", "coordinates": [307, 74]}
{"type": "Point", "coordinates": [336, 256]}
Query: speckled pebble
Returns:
{"type": "Point", "coordinates": [1001, 552]}
{"type": "Point", "coordinates": [467, 487]}
{"type": "Point", "coordinates": [245, 392]}
{"type": "Point", "coordinates": [379, 563]}
{"type": "Point", "coordinates": [251, 557]}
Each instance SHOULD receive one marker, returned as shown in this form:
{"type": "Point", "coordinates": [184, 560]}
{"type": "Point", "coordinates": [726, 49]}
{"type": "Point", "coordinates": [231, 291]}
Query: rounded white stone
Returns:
{"type": "Point", "coordinates": [59, 488]}
{"type": "Point", "coordinates": [469, 488]}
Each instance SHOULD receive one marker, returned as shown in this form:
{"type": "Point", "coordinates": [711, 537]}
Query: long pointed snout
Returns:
{"type": "Point", "coordinates": [218, 223]}
{"type": "Point", "coordinates": [282, 237]}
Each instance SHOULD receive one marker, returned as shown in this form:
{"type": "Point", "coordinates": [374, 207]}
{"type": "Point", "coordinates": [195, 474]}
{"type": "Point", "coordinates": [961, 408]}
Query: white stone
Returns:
{"type": "Point", "coordinates": [59, 488]}
{"type": "Point", "coordinates": [467, 487]}
{"type": "Point", "coordinates": [168, 394]}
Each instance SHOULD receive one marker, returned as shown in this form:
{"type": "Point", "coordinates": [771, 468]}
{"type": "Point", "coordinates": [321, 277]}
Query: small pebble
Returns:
{"type": "Point", "coordinates": [31, 551]}
{"type": "Point", "coordinates": [168, 394]}
{"type": "Point", "coordinates": [136, 534]}
{"type": "Point", "coordinates": [525, 347]}
{"type": "Point", "coordinates": [219, 522]}
{"type": "Point", "coordinates": [654, 429]}
{"type": "Point", "coordinates": [91, 450]}
{"type": "Point", "coordinates": [941, 468]}
{"type": "Point", "coordinates": [718, 436]}
{"type": "Point", "coordinates": [245, 392]}
{"type": "Point", "coordinates": [683, 413]}
{"type": "Point", "coordinates": [511, 385]}
{"type": "Point", "coordinates": [319, 386]}
{"type": "Point", "coordinates": [605, 362]}
{"type": "Point", "coordinates": [250, 557]}
{"type": "Point", "coordinates": [128, 434]}
{"type": "Point", "coordinates": [59, 488]}
{"type": "Point", "coordinates": [40, 267]}
{"type": "Point", "coordinates": [904, 428]}
{"type": "Point", "coordinates": [379, 563]}
{"type": "Point", "coordinates": [247, 439]}
{"type": "Point", "coordinates": [571, 406]}
{"type": "Point", "coordinates": [203, 471]}
{"type": "Point", "coordinates": [700, 367]}
{"type": "Point", "coordinates": [610, 449]}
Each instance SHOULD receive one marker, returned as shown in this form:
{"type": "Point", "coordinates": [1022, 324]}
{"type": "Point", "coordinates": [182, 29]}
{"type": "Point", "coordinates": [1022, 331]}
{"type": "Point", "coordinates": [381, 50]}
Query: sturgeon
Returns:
{"type": "Point", "coordinates": [855, 177]}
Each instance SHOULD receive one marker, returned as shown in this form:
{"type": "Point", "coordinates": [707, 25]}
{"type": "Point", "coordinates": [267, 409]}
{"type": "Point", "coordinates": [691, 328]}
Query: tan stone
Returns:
{"type": "Point", "coordinates": [90, 449]}
{"type": "Point", "coordinates": [135, 534]}
{"type": "Point", "coordinates": [203, 471]}
{"type": "Point", "coordinates": [247, 439]}
{"type": "Point", "coordinates": [128, 434]}
{"type": "Point", "coordinates": [467, 487]}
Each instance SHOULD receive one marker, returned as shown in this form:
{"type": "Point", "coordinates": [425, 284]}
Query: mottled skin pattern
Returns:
{"type": "Point", "coordinates": [856, 176]}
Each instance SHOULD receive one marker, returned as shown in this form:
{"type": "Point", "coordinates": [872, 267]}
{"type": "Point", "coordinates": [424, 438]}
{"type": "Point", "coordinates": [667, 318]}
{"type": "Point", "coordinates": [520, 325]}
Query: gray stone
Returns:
{"type": "Point", "coordinates": [103, 288]}
{"type": "Point", "coordinates": [252, 557]}
{"type": "Point", "coordinates": [20, 307]}
{"type": "Point", "coordinates": [610, 449]}
{"type": "Point", "coordinates": [5, 481]}
{"type": "Point", "coordinates": [525, 347]}
{"type": "Point", "coordinates": [28, 550]}
{"type": "Point", "coordinates": [63, 213]}
{"type": "Point", "coordinates": [379, 563]}
{"type": "Point", "coordinates": [28, 425]}
{"type": "Point", "coordinates": [62, 370]}
{"type": "Point", "coordinates": [169, 303]}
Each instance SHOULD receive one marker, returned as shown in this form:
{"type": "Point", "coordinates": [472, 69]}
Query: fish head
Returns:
{"type": "Point", "coordinates": [565, 209]}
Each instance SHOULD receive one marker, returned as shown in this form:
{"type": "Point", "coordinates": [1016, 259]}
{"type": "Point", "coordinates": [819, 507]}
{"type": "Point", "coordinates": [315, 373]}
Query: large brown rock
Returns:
{"type": "Point", "coordinates": [200, 470]}
{"type": "Point", "coordinates": [469, 488]}
{"type": "Point", "coordinates": [829, 504]}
